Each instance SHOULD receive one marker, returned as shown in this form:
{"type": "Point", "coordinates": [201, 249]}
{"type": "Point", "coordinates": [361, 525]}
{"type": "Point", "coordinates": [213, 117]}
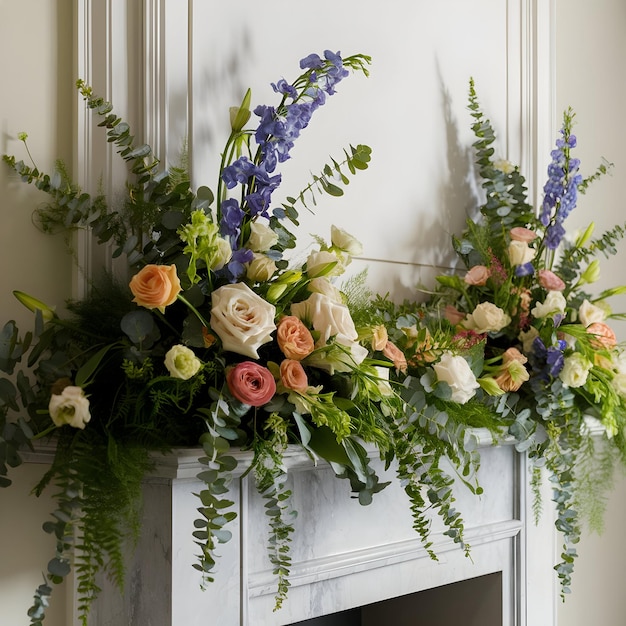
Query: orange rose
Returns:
{"type": "Point", "coordinates": [604, 336]}
{"type": "Point", "coordinates": [293, 376]}
{"type": "Point", "coordinates": [155, 286]}
{"type": "Point", "coordinates": [294, 338]}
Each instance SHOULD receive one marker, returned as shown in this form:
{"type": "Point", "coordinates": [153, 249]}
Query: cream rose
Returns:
{"type": "Point", "coordinates": [181, 362]}
{"type": "Point", "coordinates": [487, 317]}
{"type": "Point", "coordinates": [520, 253]}
{"type": "Point", "coordinates": [262, 237]}
{"type": "Point", "coordinates": [379, 337]}
{"type": "Point", "coordinates": [323, 263]}
{"type": "Point", "coordinates": [527, 337]}
{"type": "Point", "coordinates": [242, 319]}
{"type": "Point", "coordinates": [575, 370]}
{"type": "Point", "coordinates": [590, 313]}
{"type": "Point", "coordinates": [456, 372]}
{"type": "Point", "coordinates": [619, 384]}
{"type": "Point", "coordinates": [70, 407]}
{"type": "Point", "coordinates": [345, 242]}
{"type": "Point", "coordinates": [554, 303]}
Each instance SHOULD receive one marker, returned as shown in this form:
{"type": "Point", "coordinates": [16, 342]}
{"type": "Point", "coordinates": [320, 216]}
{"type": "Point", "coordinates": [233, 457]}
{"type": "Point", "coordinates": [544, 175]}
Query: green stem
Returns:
{"type": "Point", "coordinates": [193, 310]}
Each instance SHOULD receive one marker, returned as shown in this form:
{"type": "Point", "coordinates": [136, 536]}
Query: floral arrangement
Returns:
{"type": "Point", "coordinates": [217, 340]}
{"type": "Point", "coordinates": [518, 329]}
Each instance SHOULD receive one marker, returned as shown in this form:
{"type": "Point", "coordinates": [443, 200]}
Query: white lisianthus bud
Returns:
{"type": "Point", "coordinates": [261, 268]}
{"type": "Point", "coordinates": [222, 254]}
{"type": "Point", "coordinates": [590, 313]}
{"type": "Point", "coordinates": [325, 287]}
{"type": "Point", "coordinates": [323, 263]}
{"type": "Point", "coordinates": [345, 242]}
{"type": "Point", "coordinates": [262, 237]}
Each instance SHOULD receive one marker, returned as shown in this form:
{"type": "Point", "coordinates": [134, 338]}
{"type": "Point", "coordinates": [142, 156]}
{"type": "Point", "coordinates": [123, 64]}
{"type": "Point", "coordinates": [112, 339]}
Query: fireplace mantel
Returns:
{"type": "Point", "coordinates": [344, 555]}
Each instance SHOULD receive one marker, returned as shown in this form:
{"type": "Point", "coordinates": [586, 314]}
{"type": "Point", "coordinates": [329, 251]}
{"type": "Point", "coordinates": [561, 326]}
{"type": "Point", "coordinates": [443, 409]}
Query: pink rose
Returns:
{"type": "Point", "coordinates": [550, 281]}
{"type": "Point", "coordinates": [519, 233]}
{"type": "Point", "coordinates": [293, 376]}
{"type": "Point", "coordinates": [155, 286]}
{"type": "Point", "coordinates": [294, 338]}
{"type": "Point", "coordinates": [251, 383]}
{"type": "Point", "coordinates": [477, 275]}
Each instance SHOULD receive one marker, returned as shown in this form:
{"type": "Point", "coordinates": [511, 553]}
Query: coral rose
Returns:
{"type": "Point", "coordinates": [293, 376]}
{"type": "Point", "coordinates": [155, 286]}
{"type": "Point", "coordinates": [294, 338]}
{"type": "Point", "coordinates": [251, 383]}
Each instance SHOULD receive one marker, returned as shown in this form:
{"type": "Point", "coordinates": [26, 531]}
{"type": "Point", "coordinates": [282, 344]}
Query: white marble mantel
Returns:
{"type": "Point", "coordinates": [344, 555]}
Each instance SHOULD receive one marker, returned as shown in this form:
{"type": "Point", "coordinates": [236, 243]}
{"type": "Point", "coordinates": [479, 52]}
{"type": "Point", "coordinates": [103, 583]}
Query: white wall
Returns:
{"type": "Point", "coordinates": [591, 56]}
{"type": "Point", "coordinates": [36, 96]}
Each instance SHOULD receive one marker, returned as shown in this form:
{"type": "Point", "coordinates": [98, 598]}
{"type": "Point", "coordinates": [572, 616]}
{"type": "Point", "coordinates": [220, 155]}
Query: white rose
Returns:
{"type": "Point", "coordinates": [590, 313]}
{"type": "Point", "coordinates": [345, 242]}
{"type": "Point", "coordinates": [527, 337]}
{"type": "Point", "coordinates": [70, 407]}
{"type": "Point", "coordinates": [221, 254]}
{"type": "Point", "coordinates": [328, 318]}
{"type": "Point", "coordinates": [456, 371]}
{"type": "Point", "coordinates": [554, 303]}
{"type": "Point", "coordinates": [319, 262]}
{"type": "Point", "coordinates": [262, 237]}
{"type": "Point", "coordinates": [181, 362]}
{"type": "Point", "coordinates": [487, 317]}
{"type": "Point", "coordinates": [261, 268]}
{"type": "Point", "coordinates": [242, 319]}
{"type": "Point", "coordinates": [575, 370]}
{"type": "Point", "coordinates": [324, 286]}
{"type": "Point", "coordinates": [520, 253]}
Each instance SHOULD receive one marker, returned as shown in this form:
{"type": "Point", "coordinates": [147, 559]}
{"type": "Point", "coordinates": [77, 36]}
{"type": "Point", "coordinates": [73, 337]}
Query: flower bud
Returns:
{"type": "Point", "coordinates": [34, 305]}
{"type": "Point", "coordinates": [592, 273]}
{"type": "Point", "coordinates": [584, 238]}
{"type": "Point", "coordinates": [240, 115]}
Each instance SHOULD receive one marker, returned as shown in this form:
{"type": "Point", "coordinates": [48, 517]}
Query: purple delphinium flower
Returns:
{"type": "Point", "coordinates": [232, 217]}
{"type": "Point", "coordinates": [547, 361]}
{"type": "Point", "coordinates": [561, 188]}
{"type": "Point", "coordinates": [527, 269]}
{"type": "Point", "coordinates": [236, 266]}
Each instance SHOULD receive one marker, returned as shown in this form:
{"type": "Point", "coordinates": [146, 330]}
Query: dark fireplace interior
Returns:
{"type": "Point", "coordinates": [472, 602]}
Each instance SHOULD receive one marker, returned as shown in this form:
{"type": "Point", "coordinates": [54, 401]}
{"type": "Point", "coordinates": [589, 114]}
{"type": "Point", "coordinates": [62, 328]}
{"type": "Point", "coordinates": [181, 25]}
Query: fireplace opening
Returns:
{"type": "Point", "coordinates": [472, 602]}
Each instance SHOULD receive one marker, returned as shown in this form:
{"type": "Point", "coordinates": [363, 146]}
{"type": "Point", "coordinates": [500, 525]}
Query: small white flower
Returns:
{"type": "Point", "coordinates": [455, 371]}
{"type": "Point", "coordinates": [554, 303]}
{"type": "Point", "coordinates": [70, 407]}
{"type": "Point", "coordinates": [181, 362]}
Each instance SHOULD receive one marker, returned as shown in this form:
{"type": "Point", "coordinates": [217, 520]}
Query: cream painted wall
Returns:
{"type": "Point", "coordinates": [35, 97]}
{"type": "Point", "coordinates": [591, 55]}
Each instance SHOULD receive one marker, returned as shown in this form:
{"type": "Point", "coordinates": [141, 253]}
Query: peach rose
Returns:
{"type": "Point", "coordinates": [294, 338]}
{"type": "Point", "coordinates": [293, 376]}
{"type": "Point", "coordinates": [155, 286]}
{"type": "Point", "coordinates": [604, 335]}
{"type": "Point", "coordinates": [251, 383]}
{"type": "Point", "coordinates": [393, 353]}
{"type": "Point", "coordinates": [550, 281]}
{"type": "Point", "coordinates": [477, 275]}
